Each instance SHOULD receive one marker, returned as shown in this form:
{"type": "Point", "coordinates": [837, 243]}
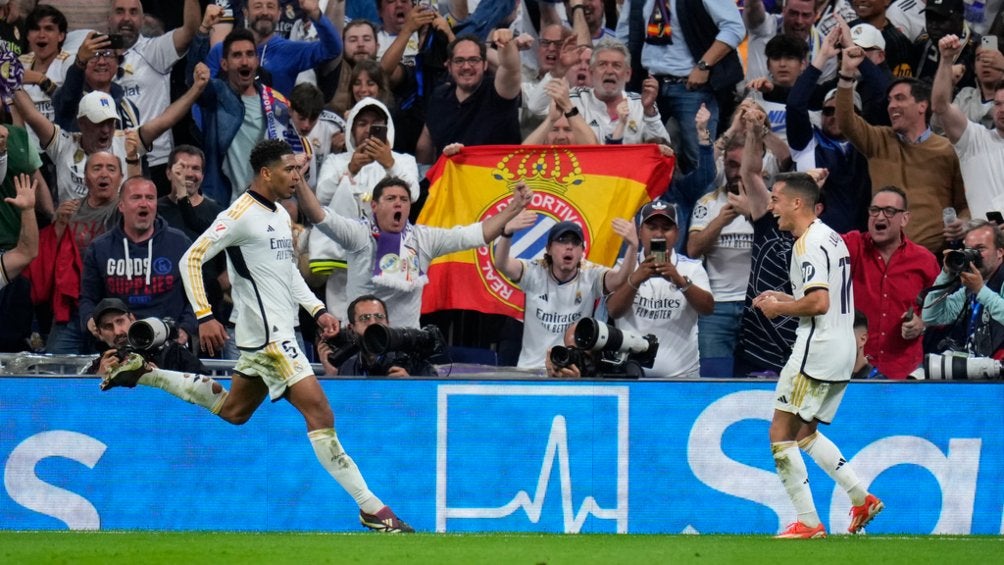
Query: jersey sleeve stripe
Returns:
{"type": "Point", "coordinates": [194, 274]}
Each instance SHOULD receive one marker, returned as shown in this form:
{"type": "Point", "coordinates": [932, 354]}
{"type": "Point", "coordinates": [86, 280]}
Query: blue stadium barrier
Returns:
{"type": "Point", "coordinates": [494, 455]}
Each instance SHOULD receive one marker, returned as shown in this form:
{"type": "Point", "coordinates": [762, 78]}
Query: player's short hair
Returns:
{"type": "Point", "coordinates": [42, 11]}
{"type": "Point", "coordinates": [185, 149]}
{"type": "Point", "coordinates": [390, 181]}
{"type": "Point", "coordinates": [894, 190]}
{"type": "Point", "coordinates": [365, 298]}
{"type": "Point", "coordinates": [267, 153]}
{"type": "Point", "coordinates": [784, 46]}
{"type": "Point", "coordinates": [980, 223]}
{"type": "Point", "coordinates": [241, 34]}
{"type": "Point", "coordinates": [307, 100]}
{"type": "Point", "coordinates": [802, 185]}
{"type": "Point", "coordinates": [919, 89]}
{"type": "Point", "coordinates": [467, 37]}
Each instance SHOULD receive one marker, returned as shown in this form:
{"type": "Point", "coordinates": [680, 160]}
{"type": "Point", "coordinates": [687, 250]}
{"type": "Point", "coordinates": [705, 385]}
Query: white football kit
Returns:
{"type": "Point", "coordinates": [824, 347]}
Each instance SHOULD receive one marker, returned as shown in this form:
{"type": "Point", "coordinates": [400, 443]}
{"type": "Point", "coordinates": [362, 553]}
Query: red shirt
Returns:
{"type": "Point", "coordinates": [884, 292]}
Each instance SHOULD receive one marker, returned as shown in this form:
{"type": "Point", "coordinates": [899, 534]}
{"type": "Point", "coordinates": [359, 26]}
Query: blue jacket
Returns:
{"type": "Point", "coordinates": [146, 276]}
{"type": "Point", "coordinates": [282, 58]}
{"type": "Point", "coordinates": [848, 187]}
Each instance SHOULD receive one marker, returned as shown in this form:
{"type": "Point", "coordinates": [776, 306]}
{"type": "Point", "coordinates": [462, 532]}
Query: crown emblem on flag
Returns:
{"type": "Point", "coordinates": [546, 168]}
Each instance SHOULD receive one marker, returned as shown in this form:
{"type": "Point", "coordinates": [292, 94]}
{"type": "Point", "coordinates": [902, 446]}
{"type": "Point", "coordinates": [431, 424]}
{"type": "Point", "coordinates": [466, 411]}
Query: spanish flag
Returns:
{"type": "Point", "coordinates": [587, 184]}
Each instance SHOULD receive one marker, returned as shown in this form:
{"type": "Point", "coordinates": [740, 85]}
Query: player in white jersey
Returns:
{"type": "Point", "coordinates": [813, 381]}
{"type": "Point", "coordinates": [13, 261]}
{"type": "Point", "coordinates": [267, 289]}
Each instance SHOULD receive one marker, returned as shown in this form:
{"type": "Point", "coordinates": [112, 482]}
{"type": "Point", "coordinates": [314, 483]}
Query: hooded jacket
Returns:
{"type": "Point", "coordinates": [145, 275]}
{"type": "Point", "coordinates": [349, 195]}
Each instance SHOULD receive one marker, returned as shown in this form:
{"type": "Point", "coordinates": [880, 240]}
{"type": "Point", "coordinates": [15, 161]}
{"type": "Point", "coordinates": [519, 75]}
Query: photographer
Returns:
{"type": "Point", "coordinates": [975, 311]}
{"type": "Point", "coordinates": [113, 320]}
{"type": "Point", "coordinates": [366, 311]}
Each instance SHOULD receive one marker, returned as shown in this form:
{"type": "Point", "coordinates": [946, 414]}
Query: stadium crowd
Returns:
{"type": "Point", "coordinates": [128, 127]}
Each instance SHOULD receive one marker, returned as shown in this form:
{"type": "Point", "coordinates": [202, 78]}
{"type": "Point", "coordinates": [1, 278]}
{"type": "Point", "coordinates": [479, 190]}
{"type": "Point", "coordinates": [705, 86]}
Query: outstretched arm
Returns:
{"type": "Point", "coordinates": [952, 118]}
{"type": "Point", "coordinates": [613, 279]}
{"type": "Point", "coordinates": [508, 83]}
{"type": "Point", "coordinates": [173, 114]}
{"type": "Point", "coordinates": [495, 225]}
{"type": "Point", "coordinates": [15, 260]}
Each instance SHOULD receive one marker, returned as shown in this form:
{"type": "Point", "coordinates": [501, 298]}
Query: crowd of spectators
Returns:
{"type": "Point", "coordinates": [130, 127]}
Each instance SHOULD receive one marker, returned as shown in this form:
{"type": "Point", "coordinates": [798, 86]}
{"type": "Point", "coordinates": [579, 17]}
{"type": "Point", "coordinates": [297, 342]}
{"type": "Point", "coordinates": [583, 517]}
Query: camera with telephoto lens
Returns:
{"type": "Point", "coordinates": [408, 348]}
{"type": "Point", "coordinates": [958, 260]}
{"type": "Point", "coordinates": [954, 367]}
{"type": "Point", "coordinates": [148, 336]}
{"type": "Point", "coordinates": [603, 350]}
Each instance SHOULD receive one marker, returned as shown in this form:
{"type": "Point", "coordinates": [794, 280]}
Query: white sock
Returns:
{"type": "Point", "coordinates": [827, 455]}
{"type": "Point", "coordinates": [334, 459]}
{"type": "Point", "coordinates": [795, 478]}
{"type": "Point", "coordinates": [190, 387]}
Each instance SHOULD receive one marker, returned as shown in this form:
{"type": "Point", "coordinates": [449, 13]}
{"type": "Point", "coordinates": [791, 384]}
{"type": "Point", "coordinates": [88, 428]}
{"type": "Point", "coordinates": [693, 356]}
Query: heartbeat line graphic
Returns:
{"type": "Point", "coordinates": [556, 450]}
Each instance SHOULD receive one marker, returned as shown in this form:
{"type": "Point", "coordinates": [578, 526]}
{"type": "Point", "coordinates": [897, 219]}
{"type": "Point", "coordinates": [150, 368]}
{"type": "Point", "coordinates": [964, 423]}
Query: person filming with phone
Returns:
{"type": "Point", "coordinates": [664, 295]}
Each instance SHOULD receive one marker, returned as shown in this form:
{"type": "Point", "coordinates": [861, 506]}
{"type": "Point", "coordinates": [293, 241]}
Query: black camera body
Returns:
{"type": "Point", "coordinates": [343, 346]}
{"type": "Point", "coordinates": [959, 260]}
{"type": "Point", "coordinates": [563, 357]}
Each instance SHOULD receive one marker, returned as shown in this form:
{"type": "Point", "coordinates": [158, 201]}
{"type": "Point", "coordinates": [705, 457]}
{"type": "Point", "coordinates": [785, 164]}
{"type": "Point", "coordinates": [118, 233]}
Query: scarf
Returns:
{"type": "Point", "coordinates": [275, 107]}
{"type": "Point", "coordinates": [396, 263]}
{"type": "Point", "coordinates": [659, 30]}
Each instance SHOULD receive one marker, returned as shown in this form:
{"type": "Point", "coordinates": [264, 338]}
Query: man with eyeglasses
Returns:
{"type": "Point", "coordinates": [889, 272]}
{"type": "Point", "coordinates": [94, 69]}
{"type": "Point", "coordinates": [824, 146]}
{"type": "Point", "coordinates": [365, 311]}
{"type": "Point", "coordinates": [475, 107]}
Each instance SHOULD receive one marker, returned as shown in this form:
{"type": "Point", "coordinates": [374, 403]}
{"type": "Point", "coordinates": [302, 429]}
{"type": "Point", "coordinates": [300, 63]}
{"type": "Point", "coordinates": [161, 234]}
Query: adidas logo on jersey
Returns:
{"type": "Point", "coordinates": [270, 229]}
{"type": "Point", "coordinates": [782, 399]}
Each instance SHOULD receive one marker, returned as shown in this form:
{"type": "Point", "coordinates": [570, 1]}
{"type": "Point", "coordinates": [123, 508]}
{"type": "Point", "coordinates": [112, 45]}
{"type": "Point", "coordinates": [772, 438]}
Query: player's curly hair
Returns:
{"type": "Point", "coordinates": [267, 153]}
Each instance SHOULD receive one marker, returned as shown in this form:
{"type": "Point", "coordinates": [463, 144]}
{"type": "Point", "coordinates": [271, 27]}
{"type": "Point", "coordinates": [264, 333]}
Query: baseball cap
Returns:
{"type": "Point", "coordinates": [109, 305]}
{"type": "Point", "coordinates": [658, 208]}
{"type": "Point", "coordinates": [97, 107]}
{"type": "Point", "coordinates": [833, 93]}
{"type": "Point", "coordinates": [867, 36]}
{"type": "Point", "coordinates": [945, 8]}
{"type": "Point", "coordinates": [561, 228]}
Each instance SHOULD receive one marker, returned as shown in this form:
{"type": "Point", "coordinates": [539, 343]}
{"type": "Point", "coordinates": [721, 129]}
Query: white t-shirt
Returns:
{"type": "Point", "coordinates": [328, 124]}
{"type": "Point", "coordinates": [908, 16]}
{"type": "Point", "coordinates": [70, 161]}
{"type": "Point", "coordinates": [146, 78]}
{"type": "Point", "coordinates": [552, 306]}
{"type": "Point", "coordinates": [728, 260]}
{"type": "Point", "coordinates": [638, 128]}
{"type": "Point", "coordinates": [660, 309]}
{"type": "Point", "coordinates": [43, 102]}
{"type": "Point", "coordinates": [981, 155]}
{"type": "Point", "coordinates": [825, 347]}
{"type": "Point", "coordinates": [384, 41]}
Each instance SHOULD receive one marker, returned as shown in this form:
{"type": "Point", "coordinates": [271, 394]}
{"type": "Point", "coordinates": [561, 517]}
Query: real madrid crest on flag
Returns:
{"type": "Point", "coordinates": [587, 185]}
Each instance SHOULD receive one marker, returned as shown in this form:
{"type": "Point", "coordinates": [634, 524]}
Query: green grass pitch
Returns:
{"type": "Point", "coordinates": [244, 548]}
